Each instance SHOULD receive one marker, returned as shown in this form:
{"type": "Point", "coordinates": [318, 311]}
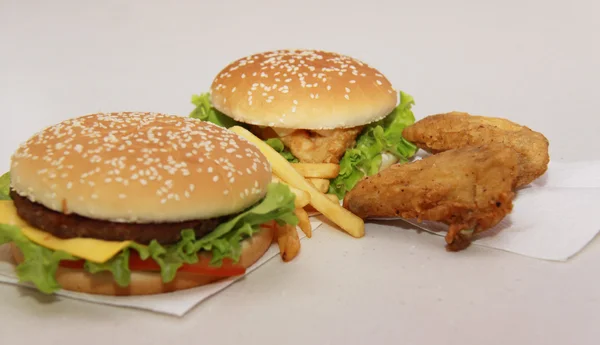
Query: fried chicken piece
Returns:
{"type": "Point", "coordinates": [468, 189]}
{"type": "Point", "coordinates": [313, 146]}
{"type": "Point", "coordinates": [442, 132]}
{"type": "Point", "coordinates": [321, 146]}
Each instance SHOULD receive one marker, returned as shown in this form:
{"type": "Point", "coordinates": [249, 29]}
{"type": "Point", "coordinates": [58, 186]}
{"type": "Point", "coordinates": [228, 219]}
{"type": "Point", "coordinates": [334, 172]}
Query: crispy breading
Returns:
{"type": "Point", "coordinates": [313, 146]}
{"type": "Point", "coordinates": [468, 189]}
{"type": "Point", "coordinates": [442, 132]}
{"type": "Point", "coordinates": [321, 146]}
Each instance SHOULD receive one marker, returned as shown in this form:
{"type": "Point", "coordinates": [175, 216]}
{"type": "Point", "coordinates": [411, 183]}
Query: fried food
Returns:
{"type": "Point", "coordinates": [288, 241]}
{"type": "Point", "coordinates": [332, 210]}
{"type": "Point", "coordinates": [317, 170]}
{"type": "Point", "coordinates": [312, 146]}
{"type": "Point", "coordinates": [468, 189]}
{"type": "Point", "coordinates": [442, 132]}
{"type": "Point", "coordinates": [321, 146]}
{"type": "Point", "coordinates": [304, 221]}
{"type": "Point", "coordinates": [302, 197]}
{"type": "Point", "coordinates": [321, 184]}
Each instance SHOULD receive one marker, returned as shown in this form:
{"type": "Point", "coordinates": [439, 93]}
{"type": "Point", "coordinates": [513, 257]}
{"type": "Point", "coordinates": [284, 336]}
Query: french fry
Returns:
{"type": "Point", "coordinates": [311, 210]}
{"type": "Point", "coordinates": [302, 197]}
{"type": "Point", "coordinates": [304, 222]}
{"type": "Point", "coordinates": [333, 198]}
{"type": "Point", "coordinates": [317, 170]}
{"type": "Point", "coordinates": [321, 184]}
{"type": "Point", "coordinates": [288, 241]}
{"type": "Point", "coordinates": [345, 219]}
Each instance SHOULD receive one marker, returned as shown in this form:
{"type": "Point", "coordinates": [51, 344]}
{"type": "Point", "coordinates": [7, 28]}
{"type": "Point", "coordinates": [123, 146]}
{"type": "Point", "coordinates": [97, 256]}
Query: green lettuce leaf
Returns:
{"type": "Point", "coordinates": [40, 264]}
{"type": "Point", "coordinates": [206, 112]}
{"type": "Point", "coordinates": [171, 258]}
{"type": "Point", "coordinates": [224, 241]}
{"type": "Point", "coordinates": [384, 136]}
{"type": "Point", "coordinates": [278, 146]}
{"type": "Point", "coordinates": [118, 266]}
{"type": "Point", "coordinates": [5, 186]}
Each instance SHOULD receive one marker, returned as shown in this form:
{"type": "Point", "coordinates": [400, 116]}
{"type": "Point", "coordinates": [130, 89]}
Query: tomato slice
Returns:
{"type": "Point", "coordinates": [227, 268]}
{"type": "Point", "coordinates": [74, 264]}
{"type": "Point", "coordinates": [137, 264]}
{"type": "Point", "coordinates": [203, 266]}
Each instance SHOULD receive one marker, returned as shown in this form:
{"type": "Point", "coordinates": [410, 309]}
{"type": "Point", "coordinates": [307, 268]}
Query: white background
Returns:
{"type": "Point", "coordinates": [535, 62]}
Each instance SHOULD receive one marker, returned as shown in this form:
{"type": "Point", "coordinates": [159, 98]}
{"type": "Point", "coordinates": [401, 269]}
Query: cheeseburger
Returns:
{"type": "Point", "coordinates": [314, 107]}
{"type": "Point", "coordinates": [138, 203]}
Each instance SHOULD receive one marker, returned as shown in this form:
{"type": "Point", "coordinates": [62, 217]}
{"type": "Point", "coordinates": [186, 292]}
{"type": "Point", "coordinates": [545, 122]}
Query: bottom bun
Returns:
{"type": "Point", "coordinates": [149, 283]}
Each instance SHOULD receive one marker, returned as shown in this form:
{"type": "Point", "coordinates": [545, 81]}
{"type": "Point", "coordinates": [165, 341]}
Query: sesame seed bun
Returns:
{"type": "Point", "coordinates": [148, 283]}
{"type": "Point", "coordinates": [140, 167]}
{"type": "Point", "coordinates": [302, 89]}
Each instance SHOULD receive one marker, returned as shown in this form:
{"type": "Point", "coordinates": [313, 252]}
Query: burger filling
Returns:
{"type": "Point", "coordinates": [174, 246]}
{"type": "Point", "coordinates": [313, 146]}
{"type": "Point", "coordinates": [360, 151]}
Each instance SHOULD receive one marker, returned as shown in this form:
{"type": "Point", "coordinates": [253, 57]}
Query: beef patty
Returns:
{"type": "Point", "coordinates": [74, 226]}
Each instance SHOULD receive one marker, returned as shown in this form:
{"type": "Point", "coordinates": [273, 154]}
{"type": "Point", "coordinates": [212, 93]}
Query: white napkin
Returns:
{"type": "Point", "coordinates": [176, 303]}
{"type": "Point", "coordinates": [552, 219]}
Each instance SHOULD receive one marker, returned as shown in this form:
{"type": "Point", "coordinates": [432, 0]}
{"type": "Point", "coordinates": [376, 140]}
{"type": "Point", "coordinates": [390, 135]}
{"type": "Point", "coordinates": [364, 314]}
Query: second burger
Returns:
{"type": "Point", "coordinates": [314, 107]}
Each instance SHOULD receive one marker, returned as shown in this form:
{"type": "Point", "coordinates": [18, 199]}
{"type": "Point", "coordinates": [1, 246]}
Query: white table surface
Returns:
{"type": "Point", "coordinates": [535, 62]}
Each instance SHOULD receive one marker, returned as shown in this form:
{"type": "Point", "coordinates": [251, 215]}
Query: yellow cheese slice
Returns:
{"type": "Point", "coordinates": [85, 248]}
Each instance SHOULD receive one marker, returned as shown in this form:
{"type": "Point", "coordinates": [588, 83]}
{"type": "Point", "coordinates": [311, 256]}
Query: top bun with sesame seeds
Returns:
{"type": "Point", "coordinates": [140, 168]}
{"type": "Point", "coordinates": [302, 89]}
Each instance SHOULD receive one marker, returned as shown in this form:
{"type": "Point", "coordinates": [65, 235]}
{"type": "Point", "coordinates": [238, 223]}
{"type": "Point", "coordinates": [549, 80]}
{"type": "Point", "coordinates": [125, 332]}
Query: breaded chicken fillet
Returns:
{"type": "Point", "coordinates": [470, 189]}
{"type": "Point", "coordinates": [442, 132]}
{"type": "Point", "coordinates": [313, 146]}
